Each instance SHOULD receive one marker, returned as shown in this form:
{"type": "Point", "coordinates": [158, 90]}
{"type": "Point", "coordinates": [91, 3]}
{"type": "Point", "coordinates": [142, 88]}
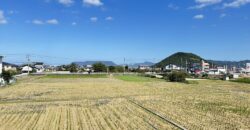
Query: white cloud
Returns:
{"type": "Point", "coordinates": [109, 18]}
{"type": "Point", "coordinates": [223, 15]}
{"type": "Point", "coordinates": [2, 18]}
{"type": "Point", "coordinates": [66, 2]}
{"type": "Point", "coordinates": [74, 23]}
{"type": "Point", "coordinates": [93, 19]}
{"type": "Point", "coordinates": [204, 3]}
{"type": "Point", "coordinates": [93, 2]}
{"type": "Point", "coordinates": [199, 16]}
{"type": "Point", "coordinates": [37, 22]}
{"type": "Point", "coordinates": [236, 3]}
{"type": "Point", "coordinates": [172, 6]}
{"type": "Point", "coordinates": [41, 22]}
{"type": "Point", "coordinates": [52, 21]}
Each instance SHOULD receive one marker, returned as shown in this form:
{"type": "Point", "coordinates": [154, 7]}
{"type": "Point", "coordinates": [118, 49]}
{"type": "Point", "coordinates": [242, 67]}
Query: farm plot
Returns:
{"type": "Point", "coordinates": [87, 114]}
{"type": "Point", "coordinates": [225, 106]}
{"type": "Point", "coordinates": [49, 103]}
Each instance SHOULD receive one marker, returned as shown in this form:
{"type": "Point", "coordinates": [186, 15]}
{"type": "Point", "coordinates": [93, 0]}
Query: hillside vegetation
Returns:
{"type": "Point", "coordinates": [180, 59]}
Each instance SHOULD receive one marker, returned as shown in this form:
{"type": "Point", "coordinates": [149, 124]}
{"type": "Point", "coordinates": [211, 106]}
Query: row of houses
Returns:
{"type": "Point", "coordinates": [195, 68]}
{"type": "Point", "coordinates": [38, 67]}
{"type": "Point", "coordinates": [202, 68]}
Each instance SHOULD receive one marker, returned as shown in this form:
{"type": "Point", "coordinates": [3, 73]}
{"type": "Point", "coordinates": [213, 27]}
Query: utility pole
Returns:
{"type": "Point", "coordinates": [28, 59]}
{"type": "Point", "coordinates": [124, 69]}
{"type": "Point", "coordinates": [186, 66]}
{"type": "Point", "coordinates": [181, 65]}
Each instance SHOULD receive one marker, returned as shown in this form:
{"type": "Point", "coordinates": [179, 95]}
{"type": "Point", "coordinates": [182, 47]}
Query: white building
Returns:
{"type": "Point", "coordinates": [26, 69]}
{"type": "Point", "coordinates": [39, 68]}
{"type": "Point", "coordinates": [8, 66]}
{"type": "Point", "coordinates": [88, 68]}
{"type": "Point", "coordinates": [1, 65]}
{"type": "Point", "coordinates": [248, 67]}
{"type": "Point", "coordinates": [218, 71]}
{"type": "Point", "coordinates": [1, 71]}
{"type": "Point", "coordinates": [205, 66]}
{"type": "Point", "coordinates": [172, 67]}
{"type": "Point", "coordinates": [144, 67]}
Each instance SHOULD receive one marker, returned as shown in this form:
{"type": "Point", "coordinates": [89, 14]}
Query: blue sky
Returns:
{"type": "Point", "coordinates": [61, 31]}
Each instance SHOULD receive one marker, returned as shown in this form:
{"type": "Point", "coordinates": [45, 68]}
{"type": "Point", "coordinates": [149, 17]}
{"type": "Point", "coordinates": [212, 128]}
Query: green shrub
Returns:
{"type": "Point", "coordinates": [177, 77]}
{"type": "Point", "coordinates": [205, 75]}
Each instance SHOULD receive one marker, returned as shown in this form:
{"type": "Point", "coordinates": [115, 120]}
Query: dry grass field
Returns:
{"type": "Point", "coordinates": [117, 102]}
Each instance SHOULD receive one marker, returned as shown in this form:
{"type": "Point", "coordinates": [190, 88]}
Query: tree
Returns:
{"type": "Point", "coordinates": [8, 75]}
{"type": "Point", "coordinates": [99, 67]}
{"type": "Point", "coordinates": [73, 68]}
{"type": "Point", "coordinates": [112, 69]}
{"type": "Point", "coordinates": [126, 68]}
{"type": "Point", "coordinates": [119, 69]}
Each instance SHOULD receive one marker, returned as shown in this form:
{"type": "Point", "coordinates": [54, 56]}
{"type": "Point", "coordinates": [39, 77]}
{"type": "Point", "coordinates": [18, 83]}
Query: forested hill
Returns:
{"type": "Point", "coordinates": [180, 59]}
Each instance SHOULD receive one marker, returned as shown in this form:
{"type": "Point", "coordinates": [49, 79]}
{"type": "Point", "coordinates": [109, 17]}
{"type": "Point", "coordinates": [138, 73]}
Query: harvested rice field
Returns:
{"type": "Point", "coordinates": [122, 102]}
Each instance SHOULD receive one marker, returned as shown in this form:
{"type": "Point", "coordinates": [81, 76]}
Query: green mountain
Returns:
{"type": "Point", "coordinates": [180, 59]}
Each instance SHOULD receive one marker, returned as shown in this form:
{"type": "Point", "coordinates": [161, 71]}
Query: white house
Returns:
{"type": "Point", "coordinates": [8, 66]}
{"type": "Point", "coordinates": [39, 68]}
{"type": "Point", "coordinates": [144, 67]}
{"type": "Point", "coordinates": [88, 68]}
{"type": "Point", "coordinates": [26, 69]}
{"type": "Point", "coordinates": [172, 67]}
{"type": "Point", "coordinates": [218, 71]}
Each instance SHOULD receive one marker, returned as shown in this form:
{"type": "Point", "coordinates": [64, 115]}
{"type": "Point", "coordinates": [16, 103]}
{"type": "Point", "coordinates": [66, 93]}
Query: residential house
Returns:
{"type": "Point", "coordinates": [195, 68]}
{"type": "Point", "coordinates": [39, 68]}
{"type": "Point", "coordinates": [88, 68]}
{"type": "Point", "coordinates": [144, 67]}
{"type": "Point", "coordinates": [27, 69]}
{"type": "Point", "coordinates": [49, 68]}
{"type": "Point", "coordinates": [9, 66]}
{"type": "Point", "coordinates": [217, 71]}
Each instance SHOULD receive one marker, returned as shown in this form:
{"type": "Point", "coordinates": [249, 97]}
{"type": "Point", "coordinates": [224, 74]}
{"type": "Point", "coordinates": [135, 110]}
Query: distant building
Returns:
{"type": "Point", "coordinates": [1, 65]}
{"type": "Point", "coordinates": [248, 67]}
{"type": "Point", "coordinates": [88, 68]}
{"type": "Point", "coordinates": [49, 68]}
{"type": "Point", "coordinates": [144, 67]}
{"type": "Point", "coordinates": [217, 71]}
{"type": "Point", "coordinates": [39, 68]}
{"type": "Point", "coordinates": [205, 66]}
{"type": "Point", "coordinates": [9, 66]}
{"type": "Point", "coordinates": [26, 69]}
{"type": "Point", "coordinates": [172, 67]}
{"type": "Point", "coordinates": [1, 71]}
